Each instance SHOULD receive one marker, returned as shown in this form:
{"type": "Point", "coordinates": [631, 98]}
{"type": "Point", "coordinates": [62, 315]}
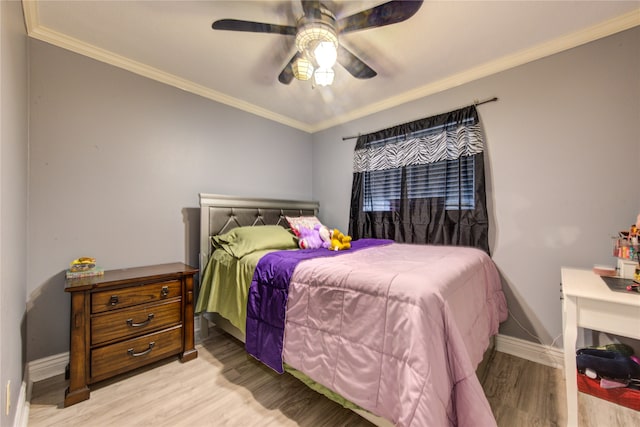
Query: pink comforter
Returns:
{"type": "Point", "coordinates": [398, 330]}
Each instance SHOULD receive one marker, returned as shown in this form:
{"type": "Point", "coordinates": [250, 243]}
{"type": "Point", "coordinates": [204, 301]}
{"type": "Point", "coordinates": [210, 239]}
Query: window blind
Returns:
{"type": "Point", "coordinates": [450, 183]}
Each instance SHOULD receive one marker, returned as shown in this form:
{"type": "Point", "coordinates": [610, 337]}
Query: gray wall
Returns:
{"type": "Point", "coordinates": [561, 144]}
{"type": "Point", "coordinates": [13, 201]}
{"type": "Point", "coordinates": [116, 165]}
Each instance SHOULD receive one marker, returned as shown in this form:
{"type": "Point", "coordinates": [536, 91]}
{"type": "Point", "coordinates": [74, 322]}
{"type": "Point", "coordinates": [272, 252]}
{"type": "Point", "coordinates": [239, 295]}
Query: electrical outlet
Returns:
{"type": "Point", "coordinates": [8, 405]}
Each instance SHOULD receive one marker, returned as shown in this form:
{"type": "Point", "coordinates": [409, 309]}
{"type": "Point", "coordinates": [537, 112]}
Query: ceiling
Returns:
{"type": "Point", "coordinates": [445, 44]}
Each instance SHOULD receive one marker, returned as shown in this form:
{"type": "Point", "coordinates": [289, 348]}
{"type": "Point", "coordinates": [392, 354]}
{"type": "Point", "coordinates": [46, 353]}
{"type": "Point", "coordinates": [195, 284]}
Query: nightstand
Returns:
{"type": "Point", "coordinates": [126, 319]}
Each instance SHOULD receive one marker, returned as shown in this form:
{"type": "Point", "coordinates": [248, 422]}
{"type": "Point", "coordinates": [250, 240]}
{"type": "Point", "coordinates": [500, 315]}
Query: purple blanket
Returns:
{"type": "Point", "coordinates": [267, 302]}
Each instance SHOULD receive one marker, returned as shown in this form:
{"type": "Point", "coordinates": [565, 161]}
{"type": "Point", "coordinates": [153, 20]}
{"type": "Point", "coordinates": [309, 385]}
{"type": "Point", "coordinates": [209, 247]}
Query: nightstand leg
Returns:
{"type": "Point", "coordinates": [190, 351]}
{"type": "Point", "coordinates": [78, 389]}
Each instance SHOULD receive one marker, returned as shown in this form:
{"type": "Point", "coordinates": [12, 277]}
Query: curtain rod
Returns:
{"type": "Point", "coordinates": [475, 102]}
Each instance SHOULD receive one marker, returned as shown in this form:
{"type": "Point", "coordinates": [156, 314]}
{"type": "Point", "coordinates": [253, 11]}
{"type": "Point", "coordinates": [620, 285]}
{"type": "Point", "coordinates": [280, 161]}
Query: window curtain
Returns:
{"type": "Point", "coordinates": [422, 182]}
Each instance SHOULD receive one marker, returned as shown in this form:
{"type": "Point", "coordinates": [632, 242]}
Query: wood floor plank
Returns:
{"type": "Point", "coordinates": [224, 387]}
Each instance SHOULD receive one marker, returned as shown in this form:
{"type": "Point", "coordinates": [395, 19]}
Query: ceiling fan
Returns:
{"type": "Point", "coordinates": [317, 33]}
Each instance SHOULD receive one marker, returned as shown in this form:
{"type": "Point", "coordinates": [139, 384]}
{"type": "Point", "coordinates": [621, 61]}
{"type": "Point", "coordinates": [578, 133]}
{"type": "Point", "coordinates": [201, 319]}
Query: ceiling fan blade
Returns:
{"type": "Point", "coordinates": [386, 14]}
{"type": "Point", "coordinates": [311, 8]}
{"type": "Point", "coordinates": [354, 65]}
{"type": "Point", "coordinates": [286, 75]}
{"type": "Point", "coordinates": [253, 27]}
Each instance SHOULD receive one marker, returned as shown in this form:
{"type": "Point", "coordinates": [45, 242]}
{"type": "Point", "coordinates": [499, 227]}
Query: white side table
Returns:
{"type": "Point", "coordinates": [589, 303]}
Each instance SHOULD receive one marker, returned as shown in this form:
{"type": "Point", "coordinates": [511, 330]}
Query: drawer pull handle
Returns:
{"type": "Point", "coordinates": [165, 291]}
{"type": "Point", "coordinates": [137, 325]}
{"type": "Point", "coordinates": [131, 353]}
{"type": "Point", "coordinates": [114, 300]}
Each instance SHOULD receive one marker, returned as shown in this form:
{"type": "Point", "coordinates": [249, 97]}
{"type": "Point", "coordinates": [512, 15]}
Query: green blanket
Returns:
{"type": "Point", "coordinates": [225, 286]}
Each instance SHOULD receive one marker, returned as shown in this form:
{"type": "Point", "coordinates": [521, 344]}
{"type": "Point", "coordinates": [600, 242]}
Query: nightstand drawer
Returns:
{"type": "Point", "coordinates": [132, 321]}
{"type": "Point", "coordinates": [134, 295]}
{"type": "Point", "coordinates": [126, 355]}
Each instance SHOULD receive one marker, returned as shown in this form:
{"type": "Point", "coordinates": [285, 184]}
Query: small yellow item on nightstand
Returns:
{"type": "Point", "coordinates": [82, 264]}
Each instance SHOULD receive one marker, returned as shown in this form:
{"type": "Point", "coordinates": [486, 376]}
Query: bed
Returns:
{"type": "Point", "coordinates": [392, 331]}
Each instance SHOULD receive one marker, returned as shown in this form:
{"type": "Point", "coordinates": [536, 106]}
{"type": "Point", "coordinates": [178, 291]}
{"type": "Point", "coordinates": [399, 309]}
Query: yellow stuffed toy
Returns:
{"type": "Point", "coordinates": [339, 241]}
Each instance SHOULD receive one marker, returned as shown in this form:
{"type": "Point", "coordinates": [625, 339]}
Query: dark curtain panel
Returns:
{"type": "Point", "coordinates": [422, 182]}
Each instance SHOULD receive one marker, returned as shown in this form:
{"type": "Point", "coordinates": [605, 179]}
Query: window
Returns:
{"type": "Point", "coordinates": [422, 182]}
{"type": "Point", "coordinates": [450, 182]}
{"type": "Point", "coordinates": [382, 190]}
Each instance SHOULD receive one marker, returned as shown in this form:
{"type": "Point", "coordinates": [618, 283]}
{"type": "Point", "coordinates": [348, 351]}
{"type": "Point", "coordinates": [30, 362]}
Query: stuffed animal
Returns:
{"type": "Point", "coordinates": [339, 241]}
{"type": "Point", "coordinates": [325, 235]}
{"type": "Point", "coordinates": [310, 238]}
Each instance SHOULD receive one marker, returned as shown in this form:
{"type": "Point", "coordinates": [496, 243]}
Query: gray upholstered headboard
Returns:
{"type": "Point", "coordinates": [220, 213]}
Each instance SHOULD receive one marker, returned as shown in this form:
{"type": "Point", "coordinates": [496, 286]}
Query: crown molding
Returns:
{"type": "Point", "coordinates": [30, 11]}
{"type": "Point", "coordinates": [39, 32]}
{"type": "Point", "coordinates": [595, 32]}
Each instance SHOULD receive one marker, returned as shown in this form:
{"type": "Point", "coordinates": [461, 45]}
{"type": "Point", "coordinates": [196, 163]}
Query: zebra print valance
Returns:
{"type": "Point", "coordinates": [447, 136]}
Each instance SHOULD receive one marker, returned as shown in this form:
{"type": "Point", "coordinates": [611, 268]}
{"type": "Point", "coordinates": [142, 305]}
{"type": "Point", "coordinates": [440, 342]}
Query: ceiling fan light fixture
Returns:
{"type": "Point", "coordinates": [317, 42]}
{"type": "Point", "coordinates": [324, 76]}
{"type": "Point", "coordinates": [302, 68]}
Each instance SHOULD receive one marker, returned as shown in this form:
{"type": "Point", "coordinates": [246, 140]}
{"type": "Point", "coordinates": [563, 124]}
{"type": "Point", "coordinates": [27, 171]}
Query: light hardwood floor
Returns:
{"type": "Point", "coordinates": [225, 387]}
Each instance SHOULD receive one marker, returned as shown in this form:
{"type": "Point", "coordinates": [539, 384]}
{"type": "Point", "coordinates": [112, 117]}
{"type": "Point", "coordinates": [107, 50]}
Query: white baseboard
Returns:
{"type": "Point", "coordinates": [543, 354]}
{"type": "Point", "coordinates": [37, 370]}
{"type": "Point", "coordinates": [22, 406]}
{"type": "Point", "coordinates": [47, 367]}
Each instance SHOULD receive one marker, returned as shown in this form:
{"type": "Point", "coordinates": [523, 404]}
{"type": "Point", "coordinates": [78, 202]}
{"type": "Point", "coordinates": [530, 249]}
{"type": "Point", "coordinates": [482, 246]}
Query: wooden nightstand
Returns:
{"type": "Point", "coordinates": [126, 319]}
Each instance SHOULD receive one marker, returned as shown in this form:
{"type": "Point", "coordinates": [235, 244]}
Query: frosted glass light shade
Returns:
{"type": "Point", "coordinates": [325, 54]}
{"type": "Point", "coordinates": [324, 76]}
